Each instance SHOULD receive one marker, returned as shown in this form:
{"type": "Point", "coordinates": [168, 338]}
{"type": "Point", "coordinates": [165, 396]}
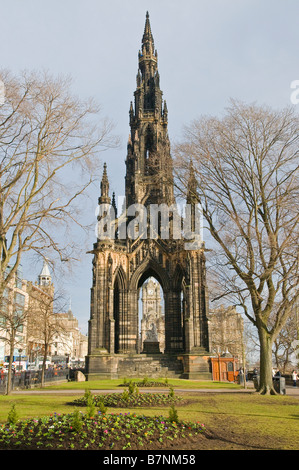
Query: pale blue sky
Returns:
{"type": "Point", "coordinates": [208, 51]}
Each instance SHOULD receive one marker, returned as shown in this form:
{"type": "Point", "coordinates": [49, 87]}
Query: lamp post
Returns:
{"type": "Point", "coordinates": [20, 352]}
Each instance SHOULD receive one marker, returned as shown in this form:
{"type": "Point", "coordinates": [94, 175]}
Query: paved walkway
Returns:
{"type": "Point", "coordinates": [290, 391]}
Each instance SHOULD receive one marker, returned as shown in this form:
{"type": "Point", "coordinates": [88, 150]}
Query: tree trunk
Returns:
{"type": "Point", "coordinates": [266, 382]}
{"type": "Point", "coordinates": [11, 351]}
{"type": "Point", "coordinates": [44, 367]}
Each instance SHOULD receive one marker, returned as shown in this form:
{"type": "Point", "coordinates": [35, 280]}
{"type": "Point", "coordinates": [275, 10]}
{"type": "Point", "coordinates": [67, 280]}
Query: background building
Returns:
{"type": "Point", "coordinates": [13, 320]}
{"type": "Point", "coordinates": [70, 344]}
{"type": "Point", "coordinates": [226, 331]}
{"type": "Point", "coordinates": [30, 306]}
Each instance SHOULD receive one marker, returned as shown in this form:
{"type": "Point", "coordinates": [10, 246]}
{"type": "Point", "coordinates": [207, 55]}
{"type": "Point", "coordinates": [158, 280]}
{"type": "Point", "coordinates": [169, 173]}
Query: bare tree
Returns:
{"type": "Point", "coordinates": [246, 167]}
{"type": "Point", "coordinates": [43, 320]}
{"type": "Point", "coordinates": [13, 316]}
{"type": "Point", "coordinates": [49, 147]}
{"type": "Point", "coordinates": [285, 344]}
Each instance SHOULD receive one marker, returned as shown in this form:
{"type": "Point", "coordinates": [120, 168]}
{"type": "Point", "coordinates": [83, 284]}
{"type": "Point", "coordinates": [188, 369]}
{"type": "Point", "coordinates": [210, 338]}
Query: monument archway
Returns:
{"type": "Point", "coordinates": [151, 318]}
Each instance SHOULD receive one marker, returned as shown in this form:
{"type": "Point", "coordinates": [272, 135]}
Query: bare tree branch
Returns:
{"type": "Point", "coordinates": [246, 167]}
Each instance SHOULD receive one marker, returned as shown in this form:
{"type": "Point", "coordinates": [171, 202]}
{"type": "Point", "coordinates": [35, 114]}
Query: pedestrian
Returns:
{"type": "Point", "coordinates": [294, 378]}
{"type": "Point", "coordinates": [277, 375]}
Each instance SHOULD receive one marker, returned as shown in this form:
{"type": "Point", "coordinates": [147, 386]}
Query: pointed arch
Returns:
{"type": "Point", "coordinates": [149, 268]}
{"type": "Point", "coordinates": [120, 277]}
{"type": "Point", "coordinates": [179, 277]}
{"type": "Point", "coordinates": [119, 288]}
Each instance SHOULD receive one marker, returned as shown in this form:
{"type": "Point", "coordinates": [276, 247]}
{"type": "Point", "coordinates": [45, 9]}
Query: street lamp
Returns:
{"type": "Point", "coordinates": [20, 352]}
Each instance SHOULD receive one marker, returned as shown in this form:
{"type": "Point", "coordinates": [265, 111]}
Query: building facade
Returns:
{"type": "Point", "coordinates": [226, 329]}
{"type": "Point", "coordinates": [69, 344]}
{"type": "Point", "coordinates": [27, 313]}
{"type": "Point", "coordinates": [13, 324]}
{"type": "Point", "coordinates": [135, 249]}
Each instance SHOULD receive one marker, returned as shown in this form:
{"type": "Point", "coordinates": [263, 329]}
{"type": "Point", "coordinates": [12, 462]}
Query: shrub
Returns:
{"type": "Point", "coordinates": [125, 395]}
{"type": "Point", "coordinates": [131, 387]}
{"type": "Point", "coordinates": [76, 421]}
{"type": "Point", "coordinates": [87, 395]}
{"type": "Point", "coordinates": [90, 404]}
{"type": "Point", "coordinates": [101, 406]}
{"type": "Point", "coordinates": [173, 415]}
{"type": "Point", "coordinates": [90, 408]}
{"type": "Point", "coordinates": [12, 417]}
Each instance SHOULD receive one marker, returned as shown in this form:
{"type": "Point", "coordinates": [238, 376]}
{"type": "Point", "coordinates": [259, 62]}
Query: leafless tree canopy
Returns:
{"type": "Point", "coordinates": [246, 167]}
{"type": "Point", "coordinates": [49, 150]}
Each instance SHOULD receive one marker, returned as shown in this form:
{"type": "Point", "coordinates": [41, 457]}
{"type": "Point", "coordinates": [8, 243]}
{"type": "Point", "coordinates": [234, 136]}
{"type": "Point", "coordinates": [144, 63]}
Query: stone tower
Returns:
{"type": "Point", "coordinates": [148, 239]}
{"type": "Point", "coordinates": [44, 278]}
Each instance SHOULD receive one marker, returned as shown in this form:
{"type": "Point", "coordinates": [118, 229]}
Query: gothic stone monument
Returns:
{"type": "Point", "coordinates": [122, 263]}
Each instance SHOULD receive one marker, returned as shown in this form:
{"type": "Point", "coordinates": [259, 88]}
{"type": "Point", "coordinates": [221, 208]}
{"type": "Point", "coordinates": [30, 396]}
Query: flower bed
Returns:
{"type": "Point", "coordinates": [150, 383]}
{"type": "Point", "coordinates": [125, 400]}
{"type": "Point", "coordinates": [77, 431]}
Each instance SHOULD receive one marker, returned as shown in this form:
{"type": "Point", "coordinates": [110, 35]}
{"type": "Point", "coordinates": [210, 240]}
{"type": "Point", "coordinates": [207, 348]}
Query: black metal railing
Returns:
{"type": "Point", "coordinates": [31, 378]}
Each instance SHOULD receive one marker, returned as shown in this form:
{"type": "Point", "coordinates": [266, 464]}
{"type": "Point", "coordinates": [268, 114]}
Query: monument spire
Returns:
{"type": "Point", "coordinates": [148, 57]}
{"type": "Point", "coordinates": [149, 164]}
{"type": "Point", "coordinates": [104, 199]}
{"type": "Point", "coordinates": [147, 39]}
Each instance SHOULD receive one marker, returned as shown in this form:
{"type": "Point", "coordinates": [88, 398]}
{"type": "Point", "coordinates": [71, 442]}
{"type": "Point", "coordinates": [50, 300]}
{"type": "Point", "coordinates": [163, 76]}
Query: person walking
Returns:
{"type": "Point", "coordinates": [294, 378]}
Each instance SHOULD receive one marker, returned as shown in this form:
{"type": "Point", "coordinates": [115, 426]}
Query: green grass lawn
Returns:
{"type": "Point", "coordinates": [247, 419]}
{"type": "Point", "coordinates": [33, 406]}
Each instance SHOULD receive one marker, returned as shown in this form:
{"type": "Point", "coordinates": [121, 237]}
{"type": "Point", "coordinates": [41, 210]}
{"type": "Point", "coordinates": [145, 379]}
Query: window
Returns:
{"type": "Point", "coordinates": [18, 279]}
{"type": "Point", "coordinates": [19, 303]}
{"type": "Point", "coordinates": [19, 299]}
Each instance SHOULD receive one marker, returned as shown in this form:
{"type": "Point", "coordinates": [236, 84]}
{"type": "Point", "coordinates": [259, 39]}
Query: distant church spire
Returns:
{"type": "Point", "coordinates": [44, 279]}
